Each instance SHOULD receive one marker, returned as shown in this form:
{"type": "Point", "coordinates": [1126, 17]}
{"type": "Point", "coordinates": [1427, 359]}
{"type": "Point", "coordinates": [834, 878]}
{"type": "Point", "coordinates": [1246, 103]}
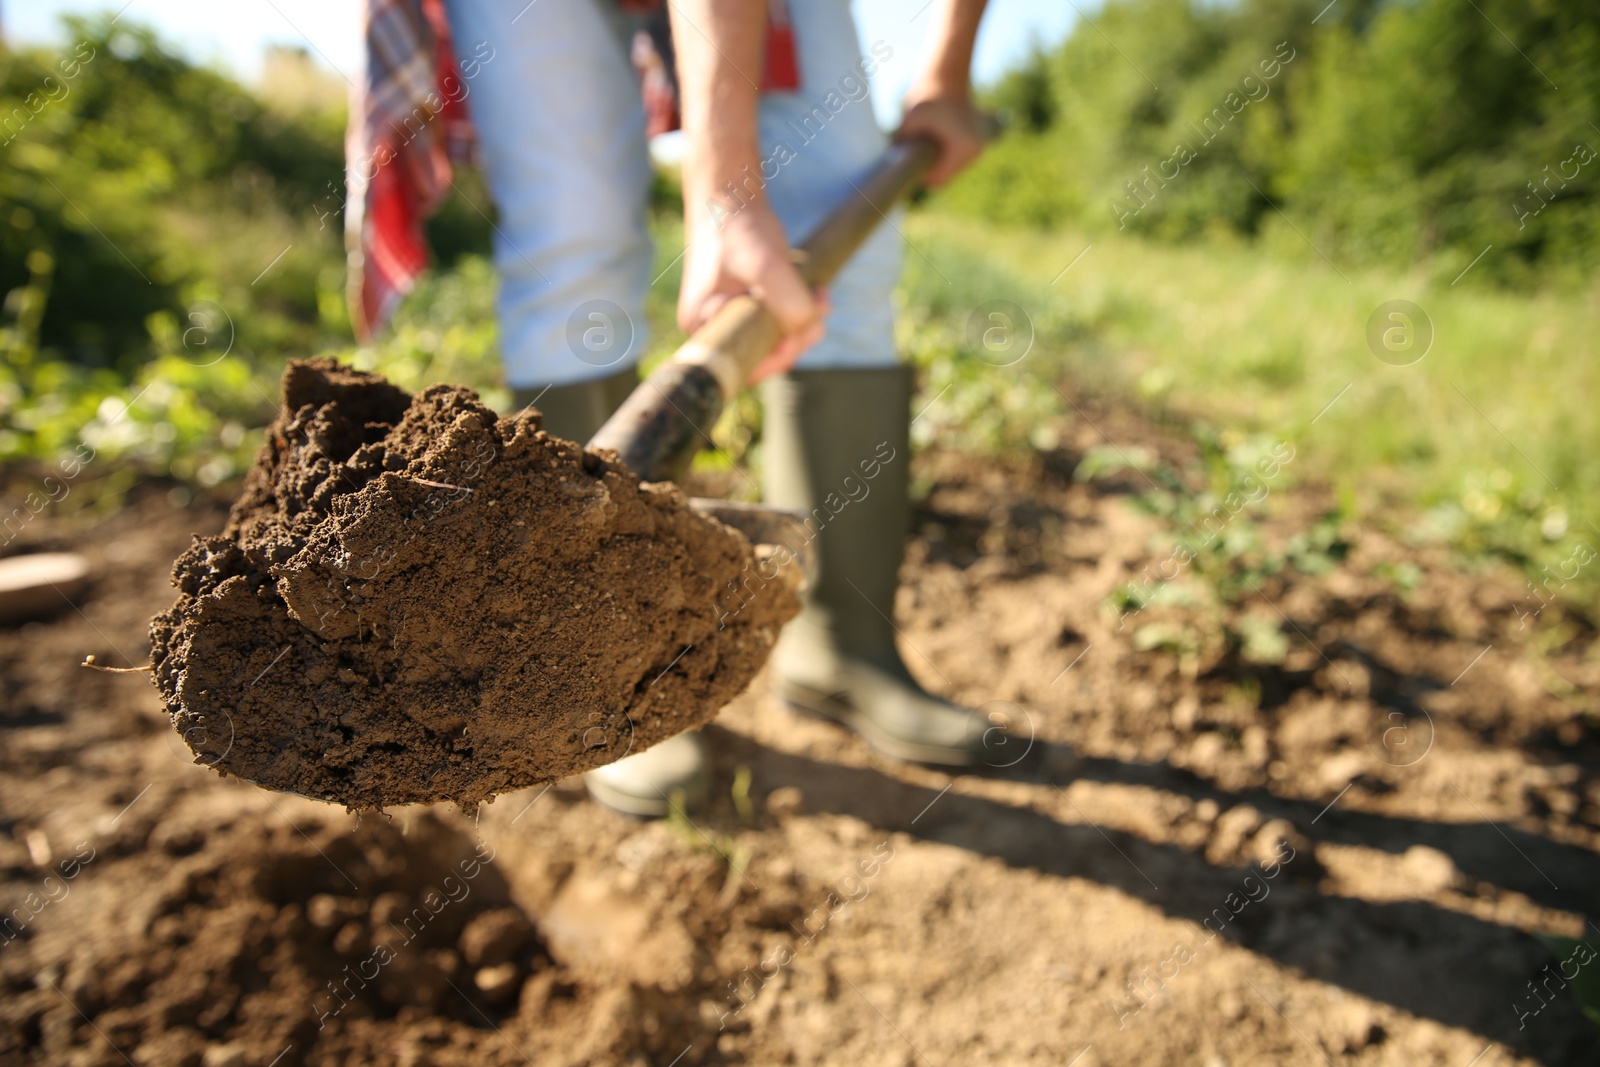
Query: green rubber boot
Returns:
{"type": "Point", "coordinates": [678, 770]}
{"type": "Point", "coordinates": [837, 446]}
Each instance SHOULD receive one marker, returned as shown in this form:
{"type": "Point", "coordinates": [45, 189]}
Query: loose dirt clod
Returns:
{"type": "Point", "coordinates": [416, 600]}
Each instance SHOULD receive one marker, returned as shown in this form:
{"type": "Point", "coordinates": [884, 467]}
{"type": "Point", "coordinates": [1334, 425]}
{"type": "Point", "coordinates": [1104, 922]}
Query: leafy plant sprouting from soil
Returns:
{"type": "Point", "coordinates": [1211, 559]}
{"type": "Point", "coordinates": [726, 846]}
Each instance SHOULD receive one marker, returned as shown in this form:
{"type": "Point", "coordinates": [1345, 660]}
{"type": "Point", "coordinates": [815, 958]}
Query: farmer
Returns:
{"type": "Point", "coordinates": [777, 128]}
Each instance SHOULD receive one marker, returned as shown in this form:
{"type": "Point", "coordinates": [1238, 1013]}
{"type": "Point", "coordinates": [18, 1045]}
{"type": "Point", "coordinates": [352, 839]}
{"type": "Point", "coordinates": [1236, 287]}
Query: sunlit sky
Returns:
{"type": "Point", "coordinates": [234, 33]}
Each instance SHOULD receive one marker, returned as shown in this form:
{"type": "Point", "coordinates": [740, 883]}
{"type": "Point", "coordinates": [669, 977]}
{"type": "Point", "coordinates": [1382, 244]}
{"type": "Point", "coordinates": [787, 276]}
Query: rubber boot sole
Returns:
{"type": "Point", "coordinates": [643, 807]}
{"type": "Point", "coordinates": [846, 714]}
{"type": "Point", "coordinates": [647, 784]}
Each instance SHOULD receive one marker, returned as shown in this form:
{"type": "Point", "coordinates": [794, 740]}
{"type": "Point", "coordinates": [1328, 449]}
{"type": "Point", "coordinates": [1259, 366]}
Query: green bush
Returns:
{"type": "Point", "coordinates": [1387, 132]}
{"type": "Point", "coordinates": [173, 237]}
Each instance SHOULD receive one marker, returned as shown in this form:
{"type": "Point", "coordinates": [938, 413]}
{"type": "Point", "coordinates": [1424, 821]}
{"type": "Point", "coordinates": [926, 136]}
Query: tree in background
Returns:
{"type": "Point", "coordinates": [145, 184]}
{"type": "Point", "coordinates": [1390, 131]}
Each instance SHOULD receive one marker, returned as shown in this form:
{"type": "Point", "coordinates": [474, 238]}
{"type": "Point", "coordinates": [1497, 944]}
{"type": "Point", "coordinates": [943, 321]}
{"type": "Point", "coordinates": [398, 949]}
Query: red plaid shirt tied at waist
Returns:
{"type": "Point", "coordinates": [409, 125]}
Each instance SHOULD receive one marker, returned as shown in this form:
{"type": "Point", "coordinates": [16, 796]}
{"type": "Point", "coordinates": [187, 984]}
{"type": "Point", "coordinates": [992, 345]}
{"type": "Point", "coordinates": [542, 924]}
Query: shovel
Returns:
{"type": "Point", "coordinates": [663, 423]}
{"type": "Point", "coordinates": [667, 417]}
{"type": "Point", "coordinates": [348, 719]}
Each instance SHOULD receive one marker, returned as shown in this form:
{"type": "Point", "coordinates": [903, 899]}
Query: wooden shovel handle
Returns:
{"type": "Point", "coordinates": [669, 415]}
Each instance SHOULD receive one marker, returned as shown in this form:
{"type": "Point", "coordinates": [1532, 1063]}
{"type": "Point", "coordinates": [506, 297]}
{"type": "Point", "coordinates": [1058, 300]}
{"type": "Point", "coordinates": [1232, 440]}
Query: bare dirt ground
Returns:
{"type": "Point", "coordinates": [1349, 857]}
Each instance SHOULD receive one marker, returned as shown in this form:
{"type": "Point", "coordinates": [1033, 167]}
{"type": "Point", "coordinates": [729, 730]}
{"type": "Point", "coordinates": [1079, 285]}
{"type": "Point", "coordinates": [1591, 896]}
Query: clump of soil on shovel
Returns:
{"type": "Point", "coordinates": [416, 600]}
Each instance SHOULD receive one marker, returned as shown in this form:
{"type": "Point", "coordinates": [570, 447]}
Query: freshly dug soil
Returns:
{"type": "Point", "coordinates": [416, 600]}
{"type": "Point", "coordinates": [836, 906]}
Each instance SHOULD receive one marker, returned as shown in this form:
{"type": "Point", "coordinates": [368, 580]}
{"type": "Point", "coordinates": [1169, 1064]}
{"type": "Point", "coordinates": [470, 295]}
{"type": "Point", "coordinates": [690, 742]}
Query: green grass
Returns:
{"type": "Point", "coordinates": [1483, 443]}
{"type": "Point", "coordinates": [1263, 342]}
{"type": "Point", "coordinates": [1487, 441]}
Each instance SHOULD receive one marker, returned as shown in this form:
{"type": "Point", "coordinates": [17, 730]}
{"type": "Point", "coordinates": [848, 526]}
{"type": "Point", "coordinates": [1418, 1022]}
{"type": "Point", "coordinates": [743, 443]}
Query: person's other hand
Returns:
{"type": "Point", "coordinates": [950, 118]}
{"type": "Point", "coordinates": [748, 253]}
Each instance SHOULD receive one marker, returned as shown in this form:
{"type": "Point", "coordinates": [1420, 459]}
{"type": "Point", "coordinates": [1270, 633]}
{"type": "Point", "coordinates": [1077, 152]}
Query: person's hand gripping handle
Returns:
{"type": "Point", "coordinates": [667, 418]}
